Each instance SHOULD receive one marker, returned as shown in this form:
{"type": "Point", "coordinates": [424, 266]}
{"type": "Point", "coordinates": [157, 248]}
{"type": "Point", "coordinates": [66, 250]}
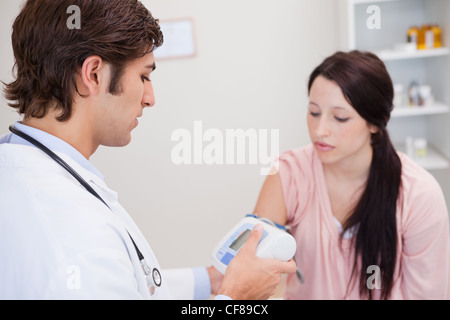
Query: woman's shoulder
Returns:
{"type": "Point", "coordinates": [415, 178]}
{"type": "Point", "coordinates": [298, 175]}
{"type": "Point", "coordinates": [421, 195]}
{"type": "Point", "coordinates": [298, 169]}
{"type": "Point", "coordinates": [299, 158]}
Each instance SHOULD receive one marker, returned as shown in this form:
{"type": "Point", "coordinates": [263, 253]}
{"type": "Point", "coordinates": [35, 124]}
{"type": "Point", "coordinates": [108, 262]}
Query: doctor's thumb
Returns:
{"type": "Point", "coordinates": [253, 239]}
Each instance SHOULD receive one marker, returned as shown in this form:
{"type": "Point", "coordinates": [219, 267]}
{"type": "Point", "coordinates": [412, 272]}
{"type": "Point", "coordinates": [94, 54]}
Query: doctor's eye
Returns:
{"type": "Point", "coordinates": [314, 114]}
{"type": "Point", "coordinates": [145, 78]}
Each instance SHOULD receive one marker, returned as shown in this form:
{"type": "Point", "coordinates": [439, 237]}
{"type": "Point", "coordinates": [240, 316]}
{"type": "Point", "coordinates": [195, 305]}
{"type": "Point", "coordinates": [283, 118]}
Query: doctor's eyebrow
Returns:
{"type": "Point", "coordinates": [152, 66]}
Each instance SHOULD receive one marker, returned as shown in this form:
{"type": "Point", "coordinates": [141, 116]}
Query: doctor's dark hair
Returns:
{"type": "Point", "coordinates": [48, 54]}
{"type": "Point", "coordinates": [367, 86]}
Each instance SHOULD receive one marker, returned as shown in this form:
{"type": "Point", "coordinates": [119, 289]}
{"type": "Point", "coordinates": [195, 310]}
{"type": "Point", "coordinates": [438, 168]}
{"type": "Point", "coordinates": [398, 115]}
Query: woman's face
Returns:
{"type": "Point", "coordinates": [338, 132]}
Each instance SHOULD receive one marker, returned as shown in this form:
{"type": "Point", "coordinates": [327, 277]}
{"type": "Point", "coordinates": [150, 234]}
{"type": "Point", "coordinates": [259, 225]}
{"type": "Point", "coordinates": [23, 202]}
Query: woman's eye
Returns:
{"type": "Point", "coordinates": [314, 114]}
{"type": "Point", "coordinates": [341, 119]}
{"type": "Point", "coordinates": [145, 78]}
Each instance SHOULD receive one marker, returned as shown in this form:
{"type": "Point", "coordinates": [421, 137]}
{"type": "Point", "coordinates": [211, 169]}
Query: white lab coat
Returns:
{"type": "Point", "coordinates": [60, 242]}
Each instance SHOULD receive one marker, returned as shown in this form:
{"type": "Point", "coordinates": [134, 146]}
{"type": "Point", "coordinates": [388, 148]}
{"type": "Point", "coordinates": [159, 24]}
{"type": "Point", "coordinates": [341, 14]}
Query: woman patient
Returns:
{"type": "Point", "coordinates": [369, 222]}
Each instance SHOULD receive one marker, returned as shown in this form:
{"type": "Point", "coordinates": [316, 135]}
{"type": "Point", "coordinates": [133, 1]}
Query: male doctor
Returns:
{"type": "Point", "coordinates": [77, 89]}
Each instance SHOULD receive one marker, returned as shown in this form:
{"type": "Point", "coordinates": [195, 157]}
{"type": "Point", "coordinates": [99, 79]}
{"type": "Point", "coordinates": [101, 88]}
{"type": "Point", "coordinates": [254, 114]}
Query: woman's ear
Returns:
{"type": "Point", "coordinates": [373, 129]}
{"type": "Point", "coordinates": [377, 134]}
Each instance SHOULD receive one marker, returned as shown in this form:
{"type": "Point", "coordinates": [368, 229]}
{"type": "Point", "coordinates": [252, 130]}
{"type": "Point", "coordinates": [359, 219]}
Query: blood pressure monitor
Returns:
{"type": "Point", "coordinates": [275, 243]}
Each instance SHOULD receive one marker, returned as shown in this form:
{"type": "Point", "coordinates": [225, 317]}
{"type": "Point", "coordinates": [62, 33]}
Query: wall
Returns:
{"type": "Point", "coordinates": [253, 61]}
{"type": "Point", "coordinates": [8, 12]}
{"type": "Point", "coordinates": [441, 12]}
{"type": "Point", "coordinates": [251, 70]}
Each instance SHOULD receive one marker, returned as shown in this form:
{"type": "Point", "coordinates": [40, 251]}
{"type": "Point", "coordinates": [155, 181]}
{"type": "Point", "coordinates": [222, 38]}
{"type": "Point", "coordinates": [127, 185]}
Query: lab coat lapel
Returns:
{"type": "Point", "coordinates": [111, 198]}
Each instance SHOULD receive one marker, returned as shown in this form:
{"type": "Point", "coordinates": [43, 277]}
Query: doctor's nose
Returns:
{"type": "Point", "coordinates": [148, 99]}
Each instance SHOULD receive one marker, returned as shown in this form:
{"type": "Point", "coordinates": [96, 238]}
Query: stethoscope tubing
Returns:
{"type": "Point", "coordinates": [91, 190]}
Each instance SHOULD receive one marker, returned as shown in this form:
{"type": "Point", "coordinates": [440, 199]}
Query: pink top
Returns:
{"type": "Point", "coordinates": [423, 259]}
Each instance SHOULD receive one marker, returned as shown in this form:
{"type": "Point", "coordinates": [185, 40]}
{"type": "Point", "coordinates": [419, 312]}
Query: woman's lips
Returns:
{"type": "Point", "coordinates": [324, 147]}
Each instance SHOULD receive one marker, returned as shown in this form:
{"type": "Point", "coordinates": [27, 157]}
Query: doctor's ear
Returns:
{"type": "Point", "coordinates": [94, 76]}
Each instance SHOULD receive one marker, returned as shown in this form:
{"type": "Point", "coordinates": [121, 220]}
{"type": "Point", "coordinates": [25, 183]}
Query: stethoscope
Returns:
{"type": "Point", "coordinates": [152, 276]}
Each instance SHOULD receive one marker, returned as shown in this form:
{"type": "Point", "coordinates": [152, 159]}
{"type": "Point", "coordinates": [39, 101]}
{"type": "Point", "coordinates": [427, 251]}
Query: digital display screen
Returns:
{"type": "Point", "coordinates": [237, 244]}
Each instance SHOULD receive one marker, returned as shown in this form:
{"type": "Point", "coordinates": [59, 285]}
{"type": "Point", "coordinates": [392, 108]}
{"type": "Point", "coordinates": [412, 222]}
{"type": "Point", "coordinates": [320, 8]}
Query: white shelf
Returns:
{"type": "Point", "coordinates": [434, 160]}
{"type": "Point", "coordinates": [407, 111]}
{"type": "Point", "coordinates": [390, 54]}
{"type": "Point", "coordinates": [406, 63]}
{"type": "Point", "coordinates": [371, 1]}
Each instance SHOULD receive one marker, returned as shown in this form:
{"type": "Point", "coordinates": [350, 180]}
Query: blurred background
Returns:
{"type": "Point", "coordinates": [249, 71]}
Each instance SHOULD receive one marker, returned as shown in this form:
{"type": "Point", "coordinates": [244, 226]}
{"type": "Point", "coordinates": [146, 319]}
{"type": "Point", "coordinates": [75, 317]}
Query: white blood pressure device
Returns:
{"type": "Point", "coordinates": [276, 242]}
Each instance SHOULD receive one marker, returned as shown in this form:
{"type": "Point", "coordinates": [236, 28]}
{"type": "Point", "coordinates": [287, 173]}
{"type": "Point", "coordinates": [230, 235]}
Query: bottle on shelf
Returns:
{"type": "Point", "coordinates": [414, 95]}
{"type": "Point", "coordinates": [420, 147]}
{"type": "Point", "coordinates": [410, 147]}
{"type": "Point", "coordinates": [426, 37]}
{"type": "Point", "coordinates": [426, 95]}
{"type": "Point", "coordinates": [437, 35]}
{"type": "Point", "coordinates": [413, 35]}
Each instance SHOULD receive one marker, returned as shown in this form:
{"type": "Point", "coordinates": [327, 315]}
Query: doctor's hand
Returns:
{"type": "Point", "coordinates": [251, 278]}
{"type": "Point", "coordinates": [216, 279]}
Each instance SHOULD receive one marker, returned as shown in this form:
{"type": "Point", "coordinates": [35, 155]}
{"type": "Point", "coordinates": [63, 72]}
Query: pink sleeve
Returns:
{"type": "Point", "coordinates": [425, 259]}
{"type": "Point", "coordinates": [295, 174]}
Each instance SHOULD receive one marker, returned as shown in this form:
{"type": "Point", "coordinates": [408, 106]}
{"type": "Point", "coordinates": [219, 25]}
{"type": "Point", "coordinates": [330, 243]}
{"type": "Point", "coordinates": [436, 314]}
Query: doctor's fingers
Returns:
{"type": "Point", "coordinates": [278, 266]}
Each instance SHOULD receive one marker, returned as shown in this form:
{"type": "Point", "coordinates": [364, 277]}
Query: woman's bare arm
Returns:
{"type": "Point", "coordinates": [271, 202]}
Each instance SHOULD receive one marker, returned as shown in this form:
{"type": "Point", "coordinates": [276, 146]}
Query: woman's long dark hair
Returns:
{"type": "Point", "coordinates": [367, 86]}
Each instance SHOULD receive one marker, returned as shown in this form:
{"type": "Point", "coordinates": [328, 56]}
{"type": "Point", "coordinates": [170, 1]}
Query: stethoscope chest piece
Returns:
{"type": "Point", "coordinates": [153, 277]}
{"type": "Point", "coordinates": [157, 277]}
{"type": "Point", "coordinates": [156, 281]}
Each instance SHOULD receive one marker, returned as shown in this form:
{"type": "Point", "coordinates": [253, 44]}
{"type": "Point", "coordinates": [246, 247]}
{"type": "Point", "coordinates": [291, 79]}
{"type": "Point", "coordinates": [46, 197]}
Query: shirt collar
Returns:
{"type": "Point", "coordinates": [54, 144]}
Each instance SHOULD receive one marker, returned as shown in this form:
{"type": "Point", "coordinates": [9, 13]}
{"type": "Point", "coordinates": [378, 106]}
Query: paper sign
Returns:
{"type": "Point", "coordinates": [178, 40]}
